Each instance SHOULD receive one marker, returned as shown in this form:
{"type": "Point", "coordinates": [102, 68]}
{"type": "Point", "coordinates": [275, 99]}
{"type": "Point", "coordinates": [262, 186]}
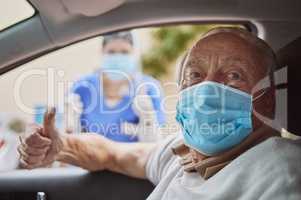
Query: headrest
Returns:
{"type": "Point", "coordinates": [289, 57]}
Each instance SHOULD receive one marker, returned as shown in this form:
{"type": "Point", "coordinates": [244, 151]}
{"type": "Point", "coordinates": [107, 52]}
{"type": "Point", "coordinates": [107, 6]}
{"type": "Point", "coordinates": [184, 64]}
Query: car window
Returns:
{"type": "Point", "coordinates": [14, 11]}
{"type": "Point", "coordinates": [51, 80]}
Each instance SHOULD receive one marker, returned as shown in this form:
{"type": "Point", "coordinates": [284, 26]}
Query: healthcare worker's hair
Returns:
{"type": "Point", "coordinates": [124, 35]}
{"type": "Point", "coordinates": [248, 36]}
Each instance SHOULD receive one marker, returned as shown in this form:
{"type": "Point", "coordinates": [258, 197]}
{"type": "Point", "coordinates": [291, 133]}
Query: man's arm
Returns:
{"type": "Point", "coordinates": [94, 152]}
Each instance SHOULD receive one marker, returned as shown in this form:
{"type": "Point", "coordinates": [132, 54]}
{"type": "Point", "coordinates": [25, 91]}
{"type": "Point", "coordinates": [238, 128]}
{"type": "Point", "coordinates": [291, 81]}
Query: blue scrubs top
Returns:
{"type": "Point", "coordinates": [99, 118]}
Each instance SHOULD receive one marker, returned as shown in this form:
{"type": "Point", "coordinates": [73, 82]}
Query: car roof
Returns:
{"type": "Point", "coordinates": [58, 23]}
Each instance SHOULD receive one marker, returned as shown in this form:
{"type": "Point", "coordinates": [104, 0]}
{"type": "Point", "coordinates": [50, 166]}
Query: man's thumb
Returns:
{"type": "Point", "coordinates": [49, 122]}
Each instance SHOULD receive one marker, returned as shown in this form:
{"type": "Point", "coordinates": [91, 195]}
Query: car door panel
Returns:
{"type": "Point", "coordinates": [73, 183]}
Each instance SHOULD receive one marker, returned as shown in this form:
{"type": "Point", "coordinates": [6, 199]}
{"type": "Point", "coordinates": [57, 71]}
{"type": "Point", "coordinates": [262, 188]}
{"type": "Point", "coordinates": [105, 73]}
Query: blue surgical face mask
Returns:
{"type": "Point", "coordinates": [119, 66]}
{"type": "Point", "coordinates": [214, 117]}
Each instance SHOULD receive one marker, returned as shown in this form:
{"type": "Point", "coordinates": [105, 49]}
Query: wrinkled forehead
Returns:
{"type": "Point", "coordinates": [225, 42]}
{"type": "Point", "coordinates": [227, 47]}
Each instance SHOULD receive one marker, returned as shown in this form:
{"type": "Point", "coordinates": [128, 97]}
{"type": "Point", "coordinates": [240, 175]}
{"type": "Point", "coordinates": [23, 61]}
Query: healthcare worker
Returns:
{"type": "Point", "coordinates": [118, 101]}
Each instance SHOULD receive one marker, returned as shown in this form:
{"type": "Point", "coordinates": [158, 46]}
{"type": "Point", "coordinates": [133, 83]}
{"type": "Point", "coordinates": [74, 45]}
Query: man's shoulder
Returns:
{"type": "Point", "coordinates": [275, 167]}
{"type": "Point", "coordinates": [162, 158]}
{"type": "Point", "coordinates": [268, 170]}
{"type": "Point", "coordinates": [282, 148]}
{"type": "Point", "coordinates": [286, 152]}
{"type": "Point", "coordinates": [165, 147]}
{"type": "Point", "coordinates": [277, 155]}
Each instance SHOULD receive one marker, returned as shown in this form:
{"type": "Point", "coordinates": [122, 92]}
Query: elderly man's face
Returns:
{"type": "Point", "coordinates": [228, 59]}
{"type": "Point", "coordinates": [224, 58]}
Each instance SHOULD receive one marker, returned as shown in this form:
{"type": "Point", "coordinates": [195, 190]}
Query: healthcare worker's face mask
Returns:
{"type": "Point", "coordinates": [214, 117]}
{"type": "Point", "coordinates": [118, 66]}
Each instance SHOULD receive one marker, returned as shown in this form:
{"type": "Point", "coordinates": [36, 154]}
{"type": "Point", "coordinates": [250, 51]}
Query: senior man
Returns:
{"type": "Point", "coordinates": [224, 151]}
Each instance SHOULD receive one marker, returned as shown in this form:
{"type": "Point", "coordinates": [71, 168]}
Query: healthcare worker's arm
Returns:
{"type": "Point", "coordinates": [89, 151]}
{"type": "Point", "coordinates": [155, 92]}
{"type": "Point", "coordinates": [147, 104]}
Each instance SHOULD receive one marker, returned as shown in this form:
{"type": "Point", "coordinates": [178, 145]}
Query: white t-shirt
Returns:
{"type": "Point", "coordinates": [270, 170]}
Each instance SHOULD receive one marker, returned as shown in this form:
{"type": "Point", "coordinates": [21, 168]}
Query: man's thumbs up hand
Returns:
{"type": "Point", "coordinates": [42, 145]}
{"type": "Point", "coordinates": [50, 131]}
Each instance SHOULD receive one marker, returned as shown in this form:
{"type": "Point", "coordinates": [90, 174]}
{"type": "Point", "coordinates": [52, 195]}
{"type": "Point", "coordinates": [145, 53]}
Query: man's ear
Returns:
{"type": "Point", "coordinates": [180, 68]}
{"type": "Point", "coordinates": [265, 106]}
{"type": "Point", "coordinates": [269, 103]}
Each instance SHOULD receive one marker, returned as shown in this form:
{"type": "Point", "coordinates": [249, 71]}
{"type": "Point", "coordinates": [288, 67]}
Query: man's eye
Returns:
{"type": "Point", "coordinates": [125, 52]}
{"type": "Point", "coordinates": [234, 76]}
{"type": "Point", "coordinates": [193, 75]}
{"type": "Point", "coordinates": [111, 52]}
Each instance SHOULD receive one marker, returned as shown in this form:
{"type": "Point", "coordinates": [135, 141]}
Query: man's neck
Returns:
{"type": "Point", "coordinates": [208, 166]}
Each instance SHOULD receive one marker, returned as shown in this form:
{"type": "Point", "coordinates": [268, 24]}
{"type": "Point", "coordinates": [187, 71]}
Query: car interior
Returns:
{"type": "Point", "coordinates": [58, 24]}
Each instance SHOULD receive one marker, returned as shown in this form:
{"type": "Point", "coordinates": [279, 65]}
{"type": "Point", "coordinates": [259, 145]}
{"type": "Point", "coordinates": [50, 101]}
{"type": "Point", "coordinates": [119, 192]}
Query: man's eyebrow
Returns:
{"type": "Point", "coordinates": [229, 62]}
{"type": "Point", "coordinates": [234, 60]}
{"type": "Point", "coordinates": [197, 60]}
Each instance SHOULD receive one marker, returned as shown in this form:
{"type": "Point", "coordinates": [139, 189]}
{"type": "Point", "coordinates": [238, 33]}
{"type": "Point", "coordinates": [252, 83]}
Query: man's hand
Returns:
{"type": "Point", "coordinates": [41, 147]}
{"type": "Point", "coordinates": [50, 131]}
